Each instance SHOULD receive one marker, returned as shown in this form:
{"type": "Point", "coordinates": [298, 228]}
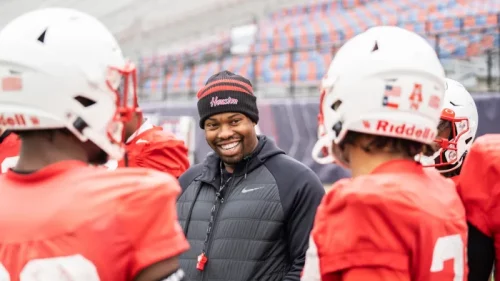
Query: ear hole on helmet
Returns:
{"type": "Point", "coordinates": [86, 102]}
{"type": "Point", "coordinates": [337, 128]}
{"type": "Point", "coordinates": [335, 106]}
{"type": "Point", "coordinates": [468, 140]}
{"type": "Point", "coordinates": [80, 124]}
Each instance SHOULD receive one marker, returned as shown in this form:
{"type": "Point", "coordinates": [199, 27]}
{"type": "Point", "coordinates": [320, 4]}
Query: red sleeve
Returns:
{"type": "Point", "coordinates": [479, 184]}
{"type": "Point", "coordinates": [169, 156]}
{"type": "Point", "coordinates": [158, 150]}
{"type": "Point", "coordinates": [149, 218]}
{"type": "Point", "coordinates": [354, 229]}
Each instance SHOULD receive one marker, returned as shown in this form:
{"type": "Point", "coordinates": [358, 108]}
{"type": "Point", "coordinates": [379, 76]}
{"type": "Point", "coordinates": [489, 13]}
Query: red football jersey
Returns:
{"type": "Point", "coordinates": [70, 221]}
{"type": "Point", "coordinates": [401, 217]}
{"type": "Point", "coordinates": [157, 149]}
{"type": "Point", "coordinates": [9, 151]}
{"type": "Point", "coordinates": [479, 188]}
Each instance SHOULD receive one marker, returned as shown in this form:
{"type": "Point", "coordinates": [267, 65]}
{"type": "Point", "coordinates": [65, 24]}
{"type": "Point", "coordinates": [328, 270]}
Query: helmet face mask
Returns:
{"type": "Point", "coordinates": [123, 84]}
{"type": "Point", "coordinates": [386, 82]}
{"type": "Point", "coordinates": [446, 145]}
{"type": "Point", "coordinates": [458, 126]}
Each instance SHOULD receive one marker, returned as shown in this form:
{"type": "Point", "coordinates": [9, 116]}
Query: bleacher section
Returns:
{"type": "Point", "coordinates": [141, 26]}
{"type": "Point", "coordinates": [297, 44]}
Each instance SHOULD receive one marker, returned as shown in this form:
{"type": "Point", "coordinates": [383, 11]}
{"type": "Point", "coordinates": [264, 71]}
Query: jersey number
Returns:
{"type": "Point", "coordinates": [449, 248]}
{"type": "Point", "coordinates": [68, 268]}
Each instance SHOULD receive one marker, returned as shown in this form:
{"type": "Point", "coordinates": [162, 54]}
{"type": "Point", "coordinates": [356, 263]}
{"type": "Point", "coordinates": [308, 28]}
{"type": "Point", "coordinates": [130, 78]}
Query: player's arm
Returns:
{"type": "Point", "coordinates": [480, 255]}
{"type": "Point", "coordinates": [149, 218]}
{"type": "Point", "coordinates": [372, 274]}
{"type": "Point", "coordinates": [478, 185]}
{"type": "Point", "coordinates": [169, 156]}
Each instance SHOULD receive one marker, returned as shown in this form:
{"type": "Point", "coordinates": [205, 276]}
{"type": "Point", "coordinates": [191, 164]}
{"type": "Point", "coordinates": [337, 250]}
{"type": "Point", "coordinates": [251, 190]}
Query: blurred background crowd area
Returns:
{"type": "Point", "coordinates": [283, 46]}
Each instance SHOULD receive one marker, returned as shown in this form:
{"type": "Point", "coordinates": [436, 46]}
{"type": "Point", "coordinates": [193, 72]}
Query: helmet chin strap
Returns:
{"type": "Point", "coordinates": [425, 160]}
{"type": "Point", "coordinates": [430, 161]}
{"type": "Point", "coordinates": [323, 142]}
{"type": "Point", "coordinates": [330, 158]}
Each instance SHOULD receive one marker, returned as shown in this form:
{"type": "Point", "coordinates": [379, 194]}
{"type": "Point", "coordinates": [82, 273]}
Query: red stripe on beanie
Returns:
{"type": "Point", "coordinates": [222, 88]}
{"type": "Point", "coordinates": [202, 93]}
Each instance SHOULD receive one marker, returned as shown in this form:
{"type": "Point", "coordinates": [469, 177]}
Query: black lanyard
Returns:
{"type": "Point", "coordinates": [202, 258]}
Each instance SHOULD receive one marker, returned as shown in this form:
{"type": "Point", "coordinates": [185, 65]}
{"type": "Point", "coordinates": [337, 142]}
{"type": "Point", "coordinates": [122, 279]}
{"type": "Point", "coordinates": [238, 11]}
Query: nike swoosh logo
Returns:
{"type": "Point", "coordinates": [245, 190]}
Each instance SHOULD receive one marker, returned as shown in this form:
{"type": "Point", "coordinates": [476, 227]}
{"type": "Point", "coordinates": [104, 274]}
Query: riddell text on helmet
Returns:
{"type": "Point", "coordinates": [17, 120]}
{"type": "Point", "coordinates": [404, 130]}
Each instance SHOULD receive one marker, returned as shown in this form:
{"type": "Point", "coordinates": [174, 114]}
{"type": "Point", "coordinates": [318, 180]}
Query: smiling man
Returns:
{"type": "Point", "coordinates": [248, 209]}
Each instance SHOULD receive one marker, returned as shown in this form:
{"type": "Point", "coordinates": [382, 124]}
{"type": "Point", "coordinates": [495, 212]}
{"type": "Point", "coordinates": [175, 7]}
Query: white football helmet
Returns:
{"type": "Point", "coordinates": [61, 68]}
{"type": "Point", "coordinates": [385, 81]}
{"type": "Point", "coordinates": [456, 131]}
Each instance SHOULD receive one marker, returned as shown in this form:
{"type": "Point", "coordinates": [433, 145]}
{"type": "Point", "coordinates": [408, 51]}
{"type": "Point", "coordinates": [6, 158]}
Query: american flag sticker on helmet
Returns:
{"type": "Point", "coordinates": [11, 84]}
{"type": "Point", "coordinates": [391, 93]}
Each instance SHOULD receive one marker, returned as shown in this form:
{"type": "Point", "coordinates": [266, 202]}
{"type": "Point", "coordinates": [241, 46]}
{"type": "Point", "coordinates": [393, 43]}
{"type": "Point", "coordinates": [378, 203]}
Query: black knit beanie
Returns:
{"type": "Point", "coordinates": [227, 92]}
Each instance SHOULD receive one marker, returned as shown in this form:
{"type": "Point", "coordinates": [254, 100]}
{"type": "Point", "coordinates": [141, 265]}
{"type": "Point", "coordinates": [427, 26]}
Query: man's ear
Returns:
{"type": "Point", "coordinates": [341, 153]}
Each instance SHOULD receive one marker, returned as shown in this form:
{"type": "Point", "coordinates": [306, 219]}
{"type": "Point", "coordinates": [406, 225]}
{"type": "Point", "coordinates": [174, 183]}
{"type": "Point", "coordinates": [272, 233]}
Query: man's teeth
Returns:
{"type": "Point", "coordinates": [229, 145]}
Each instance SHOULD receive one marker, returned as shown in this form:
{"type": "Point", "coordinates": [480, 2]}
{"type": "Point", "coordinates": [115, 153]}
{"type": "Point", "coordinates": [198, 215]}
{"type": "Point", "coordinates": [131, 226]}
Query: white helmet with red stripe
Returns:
{"type": "Point", "coordinates": [456, 131]}
{"type": "Point", "coordinates": [386, 81]}
{"type": "Point", "coordinates": [61, 68]}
